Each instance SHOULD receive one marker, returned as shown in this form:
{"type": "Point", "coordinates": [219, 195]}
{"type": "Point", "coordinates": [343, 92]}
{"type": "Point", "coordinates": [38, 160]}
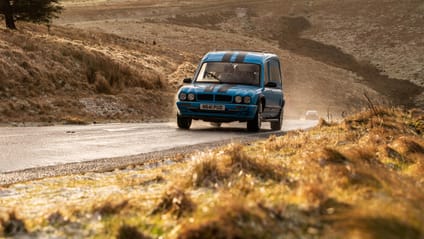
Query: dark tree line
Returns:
{"type": "Point", "coordinates": [29, 10]}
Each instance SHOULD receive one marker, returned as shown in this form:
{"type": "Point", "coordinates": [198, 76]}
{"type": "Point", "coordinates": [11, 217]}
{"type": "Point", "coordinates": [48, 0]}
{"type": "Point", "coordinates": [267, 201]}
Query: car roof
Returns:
{"type": "Point", "coordinates": [238, 56]}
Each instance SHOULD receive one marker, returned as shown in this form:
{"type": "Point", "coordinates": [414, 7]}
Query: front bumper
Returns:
{"type": "Point", "coordinates": [232, 112]}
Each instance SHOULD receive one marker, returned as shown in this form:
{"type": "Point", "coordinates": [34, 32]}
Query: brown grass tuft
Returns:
{"type": "Point", "coordinates": [56, 219]}
{"type": "Point", "coordinates": [330, 156]}
{"type": "Point", "coordinates": [207, 173]}
{"type": "Point", "coordinates": [232, 221]}
{"type": "Point", "coordinates": [257, 166]}
{"type": "Point", "coordinates": [378, 227]}
{"type": "Point", "coordinates": [243, 219]}
{"type": "Point", "coordinates": [332, 206]}
{"type": "Point", "coordinates": [130, 232]}
{"type": "Point", "coordinates": [102, 85]}
{"type": "Point", "coordinates": [365, 179]}
{"type": "Point", "coordinates": [362, 154]}
{"type": "Point", "coordinates": [111, 207]}
{"type": "Point", "coordinates": [370, 118]}
{"type": "Point", "coordinates": [408, 145]}
{"type": "Point", "coordinates": [313, 195]}
{"type": "Point", "coordinates": [12, 225]}
{"type": "Point", "coordinates": [175, 201]}
{"type": "Point", "coordinates": [214, 169]}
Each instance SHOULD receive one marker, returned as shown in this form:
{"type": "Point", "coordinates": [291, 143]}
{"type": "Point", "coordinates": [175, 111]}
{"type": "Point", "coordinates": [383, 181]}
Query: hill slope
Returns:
{"type": "Point", "coordinates": [332, 51]}
{"type": "Point", "coordinates": [65, 74]}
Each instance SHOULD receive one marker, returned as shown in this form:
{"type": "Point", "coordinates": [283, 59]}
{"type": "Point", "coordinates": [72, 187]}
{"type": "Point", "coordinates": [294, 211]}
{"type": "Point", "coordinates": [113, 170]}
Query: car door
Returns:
{"type": "Point", "coordinates": [273, 89]}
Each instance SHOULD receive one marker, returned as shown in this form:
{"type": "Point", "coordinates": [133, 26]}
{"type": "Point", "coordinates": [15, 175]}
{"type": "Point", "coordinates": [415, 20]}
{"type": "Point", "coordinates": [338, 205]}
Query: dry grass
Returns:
{"type": "Point", "coordinates": [40, 67]}
{"type": "Point", "coordinates": [129, 232]}
{"type": "Point", "coordinates": [11, 225]}
{"type": "Point", "coordinates": [111, 206]}
{"type": "Point", "coordinates": [207, 173]}
{"type": "Point", "coordinates": [362, 178]}
{"type": "Point", "coordinates": [176, 202]}
{"type": "Point", "coordinates": [232, 221]}
{"type": "Point", "coordinates": [215, 170]}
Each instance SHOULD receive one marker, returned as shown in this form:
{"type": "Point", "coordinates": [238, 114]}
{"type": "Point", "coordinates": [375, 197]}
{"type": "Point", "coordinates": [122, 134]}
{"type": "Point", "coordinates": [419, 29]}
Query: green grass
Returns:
{"type": "Point", "coordinates": [361, 178]}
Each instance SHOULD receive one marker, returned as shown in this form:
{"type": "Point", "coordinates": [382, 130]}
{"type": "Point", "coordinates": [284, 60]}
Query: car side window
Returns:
{"type": "Point", "coordinates": [266, 74]}
{"type": "Point", "coordinates": [275, 73]}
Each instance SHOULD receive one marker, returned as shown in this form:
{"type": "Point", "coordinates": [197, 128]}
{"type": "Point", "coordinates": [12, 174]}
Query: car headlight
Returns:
{"type": "Point", "coordinates": [238, 99]}
{"type": "Point", "coordinates": [246, 100]}
{"type": "Point", "coordinates": [183, 96]}
{"type": "Point", "coordinates": [190, 97]}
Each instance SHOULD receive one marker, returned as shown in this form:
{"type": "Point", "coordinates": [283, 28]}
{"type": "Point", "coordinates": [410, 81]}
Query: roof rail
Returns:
{"type": "Point", "coordinates": [242, 50]}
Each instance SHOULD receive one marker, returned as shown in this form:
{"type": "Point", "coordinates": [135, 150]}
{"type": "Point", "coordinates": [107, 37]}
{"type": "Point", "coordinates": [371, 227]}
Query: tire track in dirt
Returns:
{"type": "Point", "coordinates": [400, 92]}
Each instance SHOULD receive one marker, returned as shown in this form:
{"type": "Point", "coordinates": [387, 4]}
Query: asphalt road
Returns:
{"type": "Point", "coordinates": [32, 147]}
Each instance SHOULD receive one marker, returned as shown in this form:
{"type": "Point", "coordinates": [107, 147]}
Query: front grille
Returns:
{"type": "Point", "coordinates": [205, 97]}
{"type": "Point", "coordinates": [216, 98]}
{"type": "Point", "coordinates": [224, 98]}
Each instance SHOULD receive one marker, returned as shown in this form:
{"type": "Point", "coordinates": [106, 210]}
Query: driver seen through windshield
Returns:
{"type": "Point", "coordinates": [229, 73]}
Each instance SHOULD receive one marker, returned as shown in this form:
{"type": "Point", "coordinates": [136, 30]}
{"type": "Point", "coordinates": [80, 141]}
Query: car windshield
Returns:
{"type": "Point", "coordinates": [229, 73]}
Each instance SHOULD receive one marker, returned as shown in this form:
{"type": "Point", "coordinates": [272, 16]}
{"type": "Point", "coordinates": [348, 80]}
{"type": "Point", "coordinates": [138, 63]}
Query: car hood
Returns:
{"type": "Point", "coordinates": [228, 89]}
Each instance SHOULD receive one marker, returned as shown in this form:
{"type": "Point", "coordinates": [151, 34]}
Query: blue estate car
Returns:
{"type": "Point", "coordinates": [233, 86]}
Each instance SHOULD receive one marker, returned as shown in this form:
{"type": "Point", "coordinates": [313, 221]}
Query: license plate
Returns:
{"type": "Point", "coordinates": [212, 107]}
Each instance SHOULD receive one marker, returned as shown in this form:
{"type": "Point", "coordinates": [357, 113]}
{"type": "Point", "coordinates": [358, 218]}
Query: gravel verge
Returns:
{"type": "Point", "coordinates": [152, 159]}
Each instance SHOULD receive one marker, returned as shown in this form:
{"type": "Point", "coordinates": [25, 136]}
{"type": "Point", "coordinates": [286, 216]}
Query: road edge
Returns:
{"type": "Point", "coordinates": [151, 159]}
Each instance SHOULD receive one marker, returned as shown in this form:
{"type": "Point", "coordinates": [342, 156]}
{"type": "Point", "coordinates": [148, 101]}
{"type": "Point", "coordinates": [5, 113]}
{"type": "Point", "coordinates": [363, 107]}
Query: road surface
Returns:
{"type": "Point", "coordinates": [32, 147]}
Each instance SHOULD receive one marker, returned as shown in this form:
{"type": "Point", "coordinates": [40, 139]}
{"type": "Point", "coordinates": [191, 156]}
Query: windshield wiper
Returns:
{"type": "Point", "coordinates": [212, 75]}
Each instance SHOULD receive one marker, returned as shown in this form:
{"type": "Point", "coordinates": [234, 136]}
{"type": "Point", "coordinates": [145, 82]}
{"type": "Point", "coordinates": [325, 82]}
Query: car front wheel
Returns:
{"type": "Point", "coordinates": [183, 123]}
{"type": "Point", "coordinates": [255, 124]}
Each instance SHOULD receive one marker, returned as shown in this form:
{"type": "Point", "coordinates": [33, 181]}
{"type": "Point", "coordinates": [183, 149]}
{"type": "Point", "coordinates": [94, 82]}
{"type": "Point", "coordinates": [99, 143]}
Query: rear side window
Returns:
{"type": "Point", "coordinates": [266, 74]}
{"type": "Point", "coordinates": [274, 72]}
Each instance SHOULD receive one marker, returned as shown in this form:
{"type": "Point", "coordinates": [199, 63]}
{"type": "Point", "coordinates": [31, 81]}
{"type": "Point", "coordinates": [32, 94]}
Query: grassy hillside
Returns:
{"type": "Point", "coordinates": [332, 54]}
{"type": "Point", "coordinates": [361, 178]}
{"type": "Point", "coordinates": [332, 51]}
{"type": "Point", "coordinates": [70, 75]}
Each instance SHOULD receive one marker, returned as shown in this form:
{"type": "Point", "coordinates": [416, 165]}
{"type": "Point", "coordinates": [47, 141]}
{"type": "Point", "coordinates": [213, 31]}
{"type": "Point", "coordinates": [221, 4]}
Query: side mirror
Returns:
{"type": "Point", "coordinates": [271, 84]}
{"type": "Point", "coordinates": [187, 80]}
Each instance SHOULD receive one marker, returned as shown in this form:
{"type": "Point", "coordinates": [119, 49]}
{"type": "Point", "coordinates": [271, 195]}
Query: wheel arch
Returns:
{"type": "Point", "coordinates": [262, 99]}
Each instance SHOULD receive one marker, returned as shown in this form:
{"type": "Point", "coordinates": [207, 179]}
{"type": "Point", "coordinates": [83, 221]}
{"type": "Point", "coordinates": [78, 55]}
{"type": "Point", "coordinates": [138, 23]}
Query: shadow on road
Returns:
{"type": "Point", "coordinates": [228, 129]}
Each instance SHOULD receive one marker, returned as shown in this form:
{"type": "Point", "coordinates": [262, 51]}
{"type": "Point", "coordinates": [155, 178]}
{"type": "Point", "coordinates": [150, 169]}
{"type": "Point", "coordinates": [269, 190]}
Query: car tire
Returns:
{"type": "Point", "coordinates": [277, 125]}
{"type": "Point", "coordinates": [255, 124]}
{"type": "Point", "coordinates": [183, 123]}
